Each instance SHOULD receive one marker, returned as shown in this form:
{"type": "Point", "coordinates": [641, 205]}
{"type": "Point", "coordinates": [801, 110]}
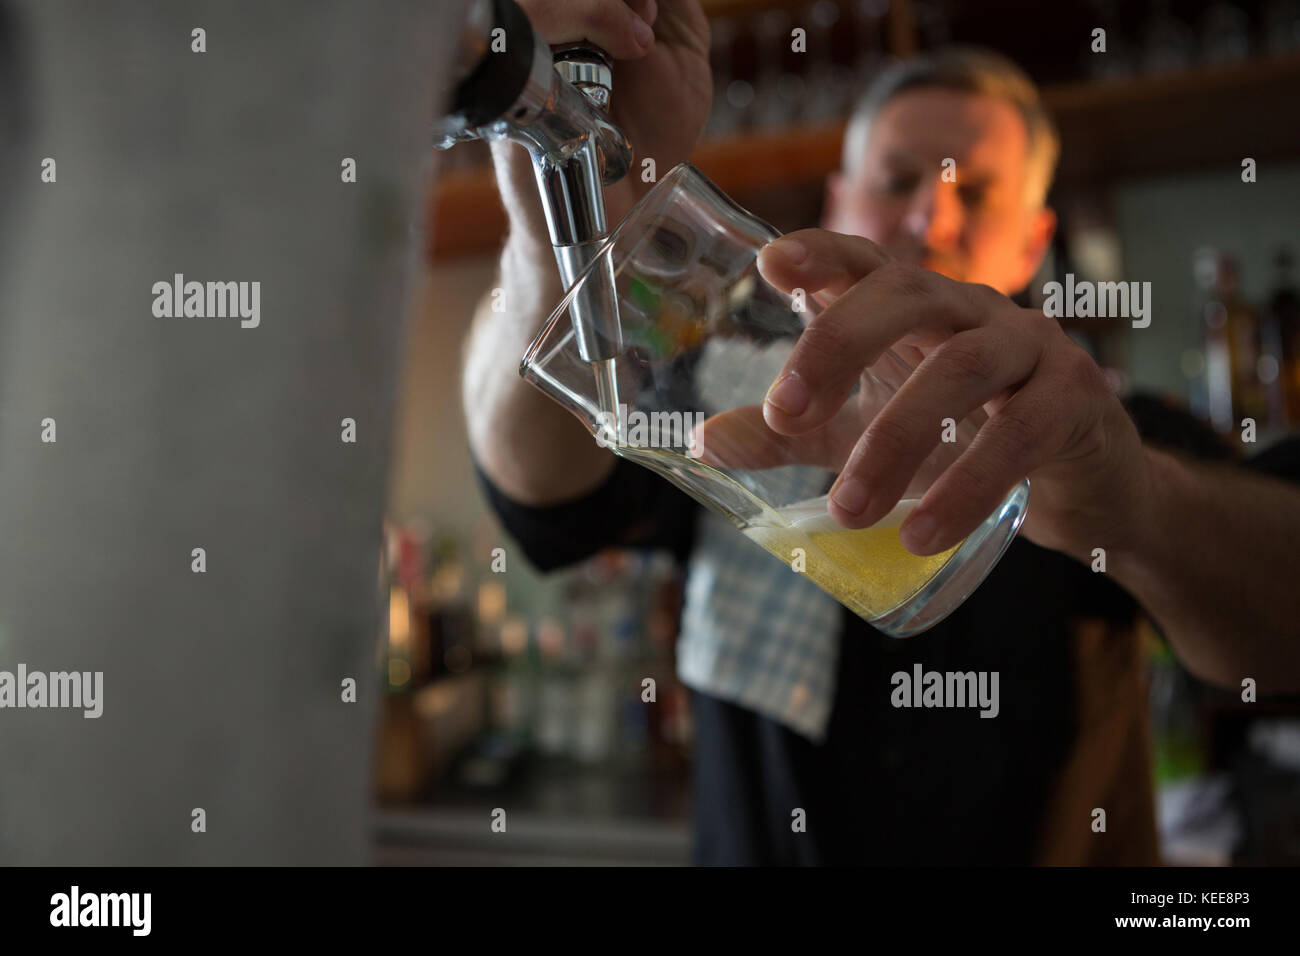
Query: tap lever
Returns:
{"type": "Point", "coordinates": [587, 67]}
{"type": "Point", "coordinates": [555, 102]}
{"type": "Point", "coordinates": [497, 63]}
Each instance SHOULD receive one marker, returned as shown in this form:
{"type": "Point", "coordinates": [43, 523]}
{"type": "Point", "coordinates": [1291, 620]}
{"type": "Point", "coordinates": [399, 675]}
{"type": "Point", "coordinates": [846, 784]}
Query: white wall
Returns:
{"type": "Point", "coordinates": [221, 689]}
{"type": "Point", "coordinates": [432, 476]}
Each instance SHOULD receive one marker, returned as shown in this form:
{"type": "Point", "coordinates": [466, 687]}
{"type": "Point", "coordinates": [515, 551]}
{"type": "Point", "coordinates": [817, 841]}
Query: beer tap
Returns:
{"type": "Point", "coordinates": [555, 102]}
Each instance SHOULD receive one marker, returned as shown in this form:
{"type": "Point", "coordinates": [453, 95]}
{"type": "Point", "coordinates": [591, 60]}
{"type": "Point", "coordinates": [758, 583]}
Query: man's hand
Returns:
{"type": "Point", "coordinates": [662, 86]}
{"type": "Point", "coordinates": [530, 447]}
{"type": "Point", "coordinates": [1052, 415]}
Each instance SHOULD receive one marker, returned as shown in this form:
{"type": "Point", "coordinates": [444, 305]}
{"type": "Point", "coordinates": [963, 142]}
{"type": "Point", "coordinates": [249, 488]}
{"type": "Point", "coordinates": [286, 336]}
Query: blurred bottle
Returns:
{"type": "Point", "coordinates": [869, 22]}
{"type": "Point", "coordinates": [449, 612]}
{"type": "Point", "coordinates": [595, 716]}
{"type": "Point", "coordinates": [1281, 26]}
{"type": "Point", "coordinates": [1195, 359]}
{"type": "Point", "coordinates": [1177, 743]}
{"type": "Point", "coordinates": [398, 658]}
{"type": "Point", "coordinates": [778, 88]}
{"type": "Point", "coordinates": [511, 687]}
{"type": "Point", "coordinates": [829, 83]}
{"type": "Point", "coordinates": [1119, 59]}
{"type": "Point", "coordinates": [933, 23]}
{"type": "Point", "coordinates": [1283, 337]}
{"type": "Point", "coordinates": [1169, 43]}
{"type": "Point", "coordinates": [1233, 356]}
{"type": "Point", "coordinates": [1225, 33]}
{"type": "Point", "coordinates": [724, 117]}
{"type": "Point", "coordinates": [407, 663]}
{"type": "Point", "coordinates": [556, 732]}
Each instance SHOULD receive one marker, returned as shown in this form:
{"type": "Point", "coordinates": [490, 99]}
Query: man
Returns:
{"type": "Point", "coordinates": [793, 705]}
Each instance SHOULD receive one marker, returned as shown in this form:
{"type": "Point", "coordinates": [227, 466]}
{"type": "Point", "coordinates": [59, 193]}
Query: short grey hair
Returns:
{"type": "Point", "coordinates": [973, 70]}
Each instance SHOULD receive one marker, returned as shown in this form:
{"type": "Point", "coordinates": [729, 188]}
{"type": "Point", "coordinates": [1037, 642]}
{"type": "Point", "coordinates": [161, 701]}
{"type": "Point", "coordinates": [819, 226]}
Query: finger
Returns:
{"type": "Point", "coordinates": [1022, 436]}
{"type": "Point", "coordinates": [960, 375]}
{"type": "Point", "coordinates": [609, 24]}
{"type": "Point", "coordinates": [647, 10]}
{"type": "Point", "coordinates": [681, 24]}
{"type": "Point", "coordinates": [818, 260]}
{"type": "Point", "coordinates": [852, 334]}
{"type": "Point", "coordinates": [910, 354]}
{"type": "Point", "coordinates": [739, 438]}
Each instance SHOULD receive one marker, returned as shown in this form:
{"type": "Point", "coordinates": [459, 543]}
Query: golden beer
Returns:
{"type": "Point", "coordinates": [868, 570]}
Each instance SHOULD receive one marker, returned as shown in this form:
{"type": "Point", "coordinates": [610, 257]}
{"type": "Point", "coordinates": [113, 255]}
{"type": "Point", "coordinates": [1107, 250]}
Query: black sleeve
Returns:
{"type": "Point", "coordinates": [633, 508]}
{"type": "Point", "coordinates": [1281, 460]}
{"type": "Point", "coordinates": [1167, 424]}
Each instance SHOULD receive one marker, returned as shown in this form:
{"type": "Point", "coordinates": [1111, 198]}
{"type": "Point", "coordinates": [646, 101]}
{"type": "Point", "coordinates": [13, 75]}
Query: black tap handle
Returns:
{"type": "Point", "coordinates": [496, 81]}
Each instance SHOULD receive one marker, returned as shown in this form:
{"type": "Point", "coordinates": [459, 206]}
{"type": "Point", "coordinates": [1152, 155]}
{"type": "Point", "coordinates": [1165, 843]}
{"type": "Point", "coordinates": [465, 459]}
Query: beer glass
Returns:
{"type": "Point", "coordinates": [699, 336]}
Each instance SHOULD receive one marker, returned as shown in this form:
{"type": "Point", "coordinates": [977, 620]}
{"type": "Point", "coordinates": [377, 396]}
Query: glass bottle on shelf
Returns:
{"type": "Point", "coordinates": [828, 83]}
{"type": "Point", "coordinates": [869, 21]}
{"type": "Point", "coordinates": [1234, 386]}
{"type": "Point", "coordinates": [1283, 333]}
{"type": "Point", "coordinates": [1218, 356]}
{"type": "Point", "coordinates": [450, 613]}
{"type": "Point", "coordinates": [1119, 60]}
{"type": "Point", "coordinates": [1281, 20]}
{"type": "Point", "coordinates": [1195, 359]}
{"type": "Point", "coordinates": [933, 22]}
{"type": "Point", "coordinates": [1225, 33]}
{"type": "Point", "coordinates": [1242, 332]}
{"type": "Point", "coordinates": [777, 90]}
{"type": "Point", "coordinates": [1177, 745]}
{"type": "Point", "coordinates": [724, 118]}
{"type": "Point", "coordinates": [407, 657]}
{"type": "Point", "coordinates": [1169, 43]}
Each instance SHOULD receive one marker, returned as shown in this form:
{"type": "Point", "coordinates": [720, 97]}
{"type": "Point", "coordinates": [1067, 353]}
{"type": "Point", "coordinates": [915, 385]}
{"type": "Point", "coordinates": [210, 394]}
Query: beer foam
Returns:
{"type": "Point", "coordinates": [811, 516]}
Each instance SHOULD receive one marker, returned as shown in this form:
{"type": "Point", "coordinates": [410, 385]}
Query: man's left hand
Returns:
{"type": "Point", "coordinates": [1052, 415]}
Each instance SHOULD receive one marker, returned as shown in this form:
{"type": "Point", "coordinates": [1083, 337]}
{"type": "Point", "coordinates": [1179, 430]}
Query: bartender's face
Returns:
{"type": "Point", "coordinates": [979, 228]}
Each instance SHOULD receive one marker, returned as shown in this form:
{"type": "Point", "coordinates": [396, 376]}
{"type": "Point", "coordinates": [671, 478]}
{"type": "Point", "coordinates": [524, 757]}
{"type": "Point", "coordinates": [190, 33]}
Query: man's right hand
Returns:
{"type": "Point", "coordinates": [531, 448]}
{"type": "Point", "coordinates": [662, 84]}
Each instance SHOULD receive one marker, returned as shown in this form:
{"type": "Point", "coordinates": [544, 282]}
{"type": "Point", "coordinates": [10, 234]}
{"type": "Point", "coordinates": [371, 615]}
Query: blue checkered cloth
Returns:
{"type": "Point", "coordinates": [754, 632]}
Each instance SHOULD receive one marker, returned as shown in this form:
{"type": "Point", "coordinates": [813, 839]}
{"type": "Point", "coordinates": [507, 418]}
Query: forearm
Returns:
{"type": "Point", "coordinates": [529, 446]}
{"type": "Point", "coordinates": [1214, 563]}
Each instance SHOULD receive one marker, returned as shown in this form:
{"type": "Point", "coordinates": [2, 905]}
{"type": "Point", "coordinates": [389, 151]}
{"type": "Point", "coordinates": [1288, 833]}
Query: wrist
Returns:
{"type": "Point", "coordinates": [1166, 483]}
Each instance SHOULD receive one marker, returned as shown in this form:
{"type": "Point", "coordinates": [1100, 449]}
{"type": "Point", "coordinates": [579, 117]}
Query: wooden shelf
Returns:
{"type": "Point", "coordinates": [469, 219]}
{"type": "Point", "coordinates": [771, 160]}
{"type": "Point", "coordinates": [1111, 130]}
{"type": "Point", "coordinates": [740, 8]}
{"type": "Point", "coordinates": [1195, 119]}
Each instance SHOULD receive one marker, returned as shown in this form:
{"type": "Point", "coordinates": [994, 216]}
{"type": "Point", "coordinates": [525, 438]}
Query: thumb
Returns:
{"type": "Point", "coordinates": [740, 439]}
